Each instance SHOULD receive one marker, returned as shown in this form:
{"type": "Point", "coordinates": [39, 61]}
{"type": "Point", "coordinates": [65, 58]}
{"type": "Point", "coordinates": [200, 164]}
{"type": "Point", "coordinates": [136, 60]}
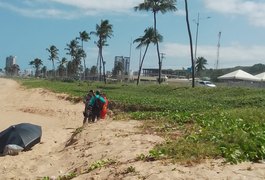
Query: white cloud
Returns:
{"type": "Point", "coordinates": [229, 56]}
{"type": "Point", "coordinates": [31, 11]}
{"type": "Point", "coordinates": [68, 9]}
{"type": "Point", "coordinates": [253, 10]}
{"type": "Point", "coordinates": [180, 12]}
{"type": "Point", "coordinates": [109, 5]}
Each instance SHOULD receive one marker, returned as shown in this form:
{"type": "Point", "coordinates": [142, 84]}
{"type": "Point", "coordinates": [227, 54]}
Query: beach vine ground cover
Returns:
{"type": "Point", "coordinates": [197, 123]}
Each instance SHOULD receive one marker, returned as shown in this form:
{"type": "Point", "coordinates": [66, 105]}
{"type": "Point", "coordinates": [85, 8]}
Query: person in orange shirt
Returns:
{"type": "Point", "coordinates": [104, 110]}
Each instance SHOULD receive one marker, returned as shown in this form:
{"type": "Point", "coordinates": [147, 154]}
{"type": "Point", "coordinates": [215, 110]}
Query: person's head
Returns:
{"type": "Point", "coordinates": [91, 92]}
{"type": "Point", "coordinates": [97, 92]}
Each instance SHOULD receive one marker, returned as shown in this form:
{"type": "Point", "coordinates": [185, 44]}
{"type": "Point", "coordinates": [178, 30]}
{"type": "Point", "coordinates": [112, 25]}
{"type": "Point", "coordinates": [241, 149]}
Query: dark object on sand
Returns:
{"type": "Point", "coordinates": [25, 135]}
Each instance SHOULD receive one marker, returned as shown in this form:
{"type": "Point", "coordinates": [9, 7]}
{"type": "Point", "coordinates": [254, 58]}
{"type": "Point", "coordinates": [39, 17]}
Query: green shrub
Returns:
{"type": "Point", "coordinates": [214, 122]}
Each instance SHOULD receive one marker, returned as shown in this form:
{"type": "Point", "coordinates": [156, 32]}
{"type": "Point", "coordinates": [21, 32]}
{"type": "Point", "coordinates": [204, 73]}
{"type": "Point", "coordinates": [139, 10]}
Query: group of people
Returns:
{"type": "Point", "coordinates": [96, 106]}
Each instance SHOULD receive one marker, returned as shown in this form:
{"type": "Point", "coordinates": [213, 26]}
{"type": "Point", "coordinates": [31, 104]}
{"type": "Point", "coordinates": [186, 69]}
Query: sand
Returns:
{"type": "Point", "coordinates": [117, 143]}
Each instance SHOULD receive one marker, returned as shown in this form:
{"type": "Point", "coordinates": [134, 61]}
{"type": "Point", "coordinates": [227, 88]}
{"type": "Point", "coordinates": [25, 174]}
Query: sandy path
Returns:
{"type": "Point", "coordinates": [118, 141]}
{"type": "Point", "coordinates": [58, 119]}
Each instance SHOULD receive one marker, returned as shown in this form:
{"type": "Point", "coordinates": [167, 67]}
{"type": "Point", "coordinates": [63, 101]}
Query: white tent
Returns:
{"type": "Point", "coordinates": [239, 75]}
{"type": "Point", "coordinates": [261, 76]}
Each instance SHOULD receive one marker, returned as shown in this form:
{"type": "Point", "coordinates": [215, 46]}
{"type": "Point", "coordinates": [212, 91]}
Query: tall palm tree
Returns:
{"type": "Point", "coordinates": [36, 63]}
{"type": "Point", "coordinates": [76, 54]}
{"type": "Point", "coordinates": [150, 36]}
{"type": "Point", "coordinates": [103, 32]}
{"type": "Point", "coordinates": [200, 64]}
{"type": "Point", "coordinates": [191, 47]}
{"type": "Point", "coordinates": [72, 48]}
{"type": "Point", "coordinates": [84, 37]}
{"type": "Point", "coordinates": [156, 6]}
{"type": "Point", "coordinates": [62, 67]}
{"type": "Point", "coordinates": [80, 54]}
{"type": "Point", "coordinates": [53, 55]}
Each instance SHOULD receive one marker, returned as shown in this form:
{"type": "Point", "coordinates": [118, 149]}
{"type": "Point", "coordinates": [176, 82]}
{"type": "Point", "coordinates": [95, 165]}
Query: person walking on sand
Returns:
{"type": "Point", "coordinates": [96, 102]}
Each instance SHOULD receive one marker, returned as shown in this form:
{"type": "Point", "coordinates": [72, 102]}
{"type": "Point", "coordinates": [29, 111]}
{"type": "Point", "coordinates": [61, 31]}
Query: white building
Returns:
{"type": "Point", "coordinates": [125, 61]}
{"type": "Point", "coordinates": [11, 60]}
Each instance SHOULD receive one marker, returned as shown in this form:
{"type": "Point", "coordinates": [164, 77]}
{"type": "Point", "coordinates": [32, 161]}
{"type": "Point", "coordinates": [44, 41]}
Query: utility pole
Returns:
{"type": "Point", "coordinates": [140, 57]}
{"type": "Point", "coordinates": [218, 50]}
{"type": "Point", "coordinates": [162, 57]}
{"type": "Point", "coordinates": [197, 31]}
{"type": "Point", "coordinates": [130, 55]}
{"type": "Point", "coordinates": [197, 22]}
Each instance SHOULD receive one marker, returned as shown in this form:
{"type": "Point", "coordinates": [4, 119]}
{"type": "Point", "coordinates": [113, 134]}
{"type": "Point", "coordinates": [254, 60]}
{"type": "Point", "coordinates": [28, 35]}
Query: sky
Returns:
{"type": "Point", "coordinates": [28, 27]}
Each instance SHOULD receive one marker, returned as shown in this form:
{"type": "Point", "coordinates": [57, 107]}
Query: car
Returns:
{"type": "Point", "coordinates": [206, 83]}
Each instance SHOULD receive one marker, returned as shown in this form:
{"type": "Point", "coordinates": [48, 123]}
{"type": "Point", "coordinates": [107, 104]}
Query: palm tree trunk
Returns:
{"type": "Point", "coordinates": [157, 49]}
{"type": "Point", "coordinates": [100, 65]}
{"type": "Point", "coordinates": [159, 63]}
{"type": "Point", "coordinates": [53, 68]}
{"type": "Point", "coordinates": [191, 49]}
{"type": "Point", "coordinates": [140, 68]}
{"type": "Point", "coordinates": [84, 61]}
{"type": "Point", "coordinates": [84, 68]}
{"type": "Point", "coordinates": [104, 73]}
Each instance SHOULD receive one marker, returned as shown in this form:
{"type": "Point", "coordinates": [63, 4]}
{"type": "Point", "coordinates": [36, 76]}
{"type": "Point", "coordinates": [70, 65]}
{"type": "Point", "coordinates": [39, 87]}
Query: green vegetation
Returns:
{"type": "Point", "coordinates": [64, 177]}
{"type": "Point", "coordinates": [198, 123]}
{"type": "Point", "coordinates": [100, 164]}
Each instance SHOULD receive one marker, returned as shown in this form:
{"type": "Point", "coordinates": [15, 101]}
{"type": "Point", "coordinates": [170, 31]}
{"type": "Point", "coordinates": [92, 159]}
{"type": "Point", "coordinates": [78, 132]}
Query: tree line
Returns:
{"type": "Point", "coordinates": [74, 67]}
{"type": "Point", "coordinates": [104, 31]}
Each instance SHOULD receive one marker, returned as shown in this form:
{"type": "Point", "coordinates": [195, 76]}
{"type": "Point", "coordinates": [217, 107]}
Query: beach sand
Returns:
{"type": "Point", "coordinates": [115, 143]}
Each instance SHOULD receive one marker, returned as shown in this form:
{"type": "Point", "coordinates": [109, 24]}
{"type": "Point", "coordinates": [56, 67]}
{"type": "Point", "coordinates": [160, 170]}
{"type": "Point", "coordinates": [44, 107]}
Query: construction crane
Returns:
{"type": "Point", "coordinates": [218, 50]}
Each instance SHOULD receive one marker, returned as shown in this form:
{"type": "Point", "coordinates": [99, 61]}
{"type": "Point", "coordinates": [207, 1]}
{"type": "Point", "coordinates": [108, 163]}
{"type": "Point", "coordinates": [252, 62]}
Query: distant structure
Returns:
{"type": "Point", "coordinates": [28, 72]}
{"type": "Point", "coordinates": [10, 61]}
{"type": "Point", "coordinates": [125, 61]}
{"type": "Point", "coordinates": [218, 50]}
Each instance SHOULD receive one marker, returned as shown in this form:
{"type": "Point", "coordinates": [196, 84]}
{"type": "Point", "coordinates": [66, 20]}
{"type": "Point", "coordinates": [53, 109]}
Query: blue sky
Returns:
{"type": "Point", "coordinates": [28, 27]}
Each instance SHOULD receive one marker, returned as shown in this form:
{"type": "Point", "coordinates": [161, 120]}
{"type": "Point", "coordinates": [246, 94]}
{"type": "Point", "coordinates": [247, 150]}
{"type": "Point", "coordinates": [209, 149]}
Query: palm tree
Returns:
{"type": "Point", "coordinates": [36, 63]}
{"type": "Point", "coordinates": [44, 71]}
{"type": "Point", "coordinates": [93, 70]}
{"type": "Point", "coordinates": [15, 69]}
{"type": "Point", "coordinates": [150, 36]}
{"type": "Point", "coordinates": [53, 55]}
{"type": "Point", "coordinates": [72, 48]}
{"type": "Point", "coordinates": [156, 6]}
{"type": "Point", "coordinates": [76, 54]}
{"type": "Point", "coordinates": [12, 70]}
{"type": "Point", "coordinates": [80, 54]}
{"type": "Point", "coordinates": [61, 67]}
{"type": "Point", "coordinates": [84, 37]}
{"type": "Point", "coordinates": [200, 64]}
{"type": "Point", "coordinates": [63, 61]}
{"type": "Point", "coordinates": [191, 48]}
{"type": "Point", "coordinates": [103, 32]}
